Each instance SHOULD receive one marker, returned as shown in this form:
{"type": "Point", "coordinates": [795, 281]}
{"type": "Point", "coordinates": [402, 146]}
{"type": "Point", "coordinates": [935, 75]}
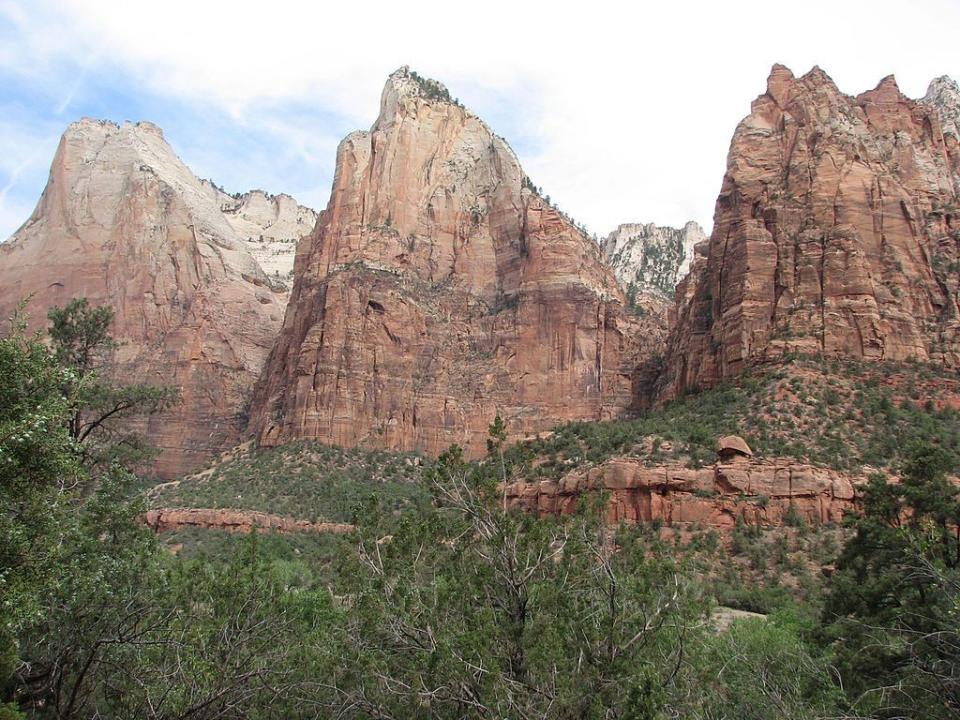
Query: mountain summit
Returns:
{"type": "Point", "coordinates": [123, 222]}
{"type": "Point", "coordinates": [837, 231]}
{"type": "Point", "coordinates": [438, 291]}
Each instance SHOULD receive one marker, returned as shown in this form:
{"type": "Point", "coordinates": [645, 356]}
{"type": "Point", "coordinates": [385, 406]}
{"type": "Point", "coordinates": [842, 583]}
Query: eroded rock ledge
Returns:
{"type": "Point", "coordinates": [761, 492]}
{"type": "Point", "coordinates": [240, 521]}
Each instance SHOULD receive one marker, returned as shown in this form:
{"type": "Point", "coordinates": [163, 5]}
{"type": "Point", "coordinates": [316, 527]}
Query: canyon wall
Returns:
{"type": "Point", "coordinates": [837, 230]}
{"type": "Point", "coordinates": [439, 290]}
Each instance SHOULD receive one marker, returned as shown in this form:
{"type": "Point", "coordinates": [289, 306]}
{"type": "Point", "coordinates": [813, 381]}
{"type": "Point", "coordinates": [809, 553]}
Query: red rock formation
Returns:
{"type": "Point", "coordinates": [125, 223]}
{"type": "Point", "coordinates": [438, 290]}
{"type": "Point", "coordinates": [759, 492]}
{"type": "Point", "coordinates": [241, 521]}
{"type": "Point", "coordinates": [837, 230]}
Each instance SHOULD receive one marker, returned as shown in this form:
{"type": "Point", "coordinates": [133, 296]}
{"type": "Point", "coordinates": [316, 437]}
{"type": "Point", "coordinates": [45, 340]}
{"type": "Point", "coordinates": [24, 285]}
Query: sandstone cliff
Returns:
{"type": "Point", "coordinates": [756, 492]}
{"type": "Point", "coordinates": [125, 223]}
{"type": "Point", "coordinates": [437, 290]}
{"type": "Point", "coordinates": [651, 258]}
{"type": "Point", "coordinates": [943, 96]}
{"type": "Point", "coordinates": [270, 227]}
{"type": "Point", "coordinates": [837, 230]}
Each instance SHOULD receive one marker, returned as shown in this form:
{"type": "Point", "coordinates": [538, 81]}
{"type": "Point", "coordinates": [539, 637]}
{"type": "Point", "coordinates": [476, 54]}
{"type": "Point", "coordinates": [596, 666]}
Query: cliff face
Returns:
{"type": "Point", "coordinates": [651, 258]}
{"type": "Point", "coordinates": [438, 290]}
{"type": "Point", "coordinates": [270, 227]}
{"type": "Point", "coordinates": [756, 492]}
{"type": "Point", "coordinates": [123, 222]}
{"type": "Point", "coordinates": [943, 95]}
{"type": "Point", "coordinates": [837, 230]}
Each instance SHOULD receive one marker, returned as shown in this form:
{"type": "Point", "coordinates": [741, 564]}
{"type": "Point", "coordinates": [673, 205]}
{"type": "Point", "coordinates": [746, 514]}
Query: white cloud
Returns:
{"type": "Point", "coordinates": [621, 112]}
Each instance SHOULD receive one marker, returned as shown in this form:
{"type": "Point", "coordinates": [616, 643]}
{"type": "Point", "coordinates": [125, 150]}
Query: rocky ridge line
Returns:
{"type": "Point", "coordinates": [439, 290]}
{"type": "Point", "coordinates": [768, 492]}
{"type": "Point", "coordinates": [837, 231]}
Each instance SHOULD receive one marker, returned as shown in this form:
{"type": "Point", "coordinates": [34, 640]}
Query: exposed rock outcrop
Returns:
{"type": "Point", "coordinates": [732, 446]}
{"type": "Point", "coordinates": [439, 290]}
{"type": "Point", "coordinates": [758, 492]}
{"type": "Point", "coordinates": [651, 258]}
{"type": "Point", "coordinates": [123, 222]}
{"type": "Point", "coordinates": [239, 521]}
{"type": "Point", "coordinates": [270, 227]}
{"type": "Point", "coordinates": [943, 95]}
{"type": "Point", "coordinates": [837, 230]}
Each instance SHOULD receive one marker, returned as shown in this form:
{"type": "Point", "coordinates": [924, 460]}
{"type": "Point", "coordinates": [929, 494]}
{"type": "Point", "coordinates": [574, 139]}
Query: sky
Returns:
{"type": "Point", "coordinates": [621, 112]}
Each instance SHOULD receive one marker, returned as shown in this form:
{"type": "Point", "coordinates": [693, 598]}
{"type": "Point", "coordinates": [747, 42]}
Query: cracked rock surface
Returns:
{"type": "Point", "coordinates": [438, 290]}
{"type": "Point", "coordinates": [837, 230]}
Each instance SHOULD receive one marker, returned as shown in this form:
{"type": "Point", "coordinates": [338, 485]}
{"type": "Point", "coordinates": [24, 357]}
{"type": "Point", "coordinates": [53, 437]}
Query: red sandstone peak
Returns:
{"type": "Point", "coordinates": [834, 232]}
{"type": "Point", "coordinates": [817, 75]}
{"type": "Point", "coordinates": [123, 222]}
{"type": "Point", "coordinates": [886, 91]}
{"type": "Point", "coordinates": [439, 290]}
{"type": "Point", "coordinates": [780, 84]}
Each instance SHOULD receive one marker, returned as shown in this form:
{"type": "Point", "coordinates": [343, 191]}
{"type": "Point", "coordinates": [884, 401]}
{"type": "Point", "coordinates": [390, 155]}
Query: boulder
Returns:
{"type": "Point", "coordinates": [733, 446]}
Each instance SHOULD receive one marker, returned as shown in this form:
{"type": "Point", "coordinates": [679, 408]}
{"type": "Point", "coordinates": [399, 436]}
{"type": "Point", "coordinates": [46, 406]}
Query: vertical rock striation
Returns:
{"type": "Point", "coordinates": [837, 230]}
{"type": "Point", "coordinates": [439, 290]}
{"type": "Point", "coordinates": [123, 222]}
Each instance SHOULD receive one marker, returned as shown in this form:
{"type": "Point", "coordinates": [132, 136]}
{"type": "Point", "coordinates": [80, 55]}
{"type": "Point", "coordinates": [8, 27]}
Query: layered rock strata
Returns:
{"type": "Point", "coordinates": [439, 290]}
{"type": "Point", "coordinates": [754, 491]}
{"type": "Point", "coordinates": [123, 222]}
{"type": "Point", "coordinates": [837, 230]}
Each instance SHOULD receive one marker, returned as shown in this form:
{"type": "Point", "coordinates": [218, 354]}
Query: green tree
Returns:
{"type": "Point", "coordinates": [468, 610]}
{"type": "Point", "coordinates": [758, 669]}
{"type": "Point", "coordinates": [97, 621]}
{"type": "Point", "coordinates": [497, 437]}
{"type": "Point", "coordinates": [38, 466]}
{"type": "Point", "coordinates": [100, 408]}
{"type": "Point", "coordinates": [892, 614]}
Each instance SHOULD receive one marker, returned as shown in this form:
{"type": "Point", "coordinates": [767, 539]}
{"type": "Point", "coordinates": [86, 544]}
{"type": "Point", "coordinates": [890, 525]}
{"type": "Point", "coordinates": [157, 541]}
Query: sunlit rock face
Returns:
{"type": "Point", "coordinates": [651, 258]}
{"type": "Point", "coordinates": [123, 222]}
{"type": "Point", "coordinates": [439, 290]}
{"type": "Point", "coordinates": [943, 95]}
{"type": "Point", "coordinates": [837, 230]}
{"type": "Point", "coordinates": [270, 227]}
